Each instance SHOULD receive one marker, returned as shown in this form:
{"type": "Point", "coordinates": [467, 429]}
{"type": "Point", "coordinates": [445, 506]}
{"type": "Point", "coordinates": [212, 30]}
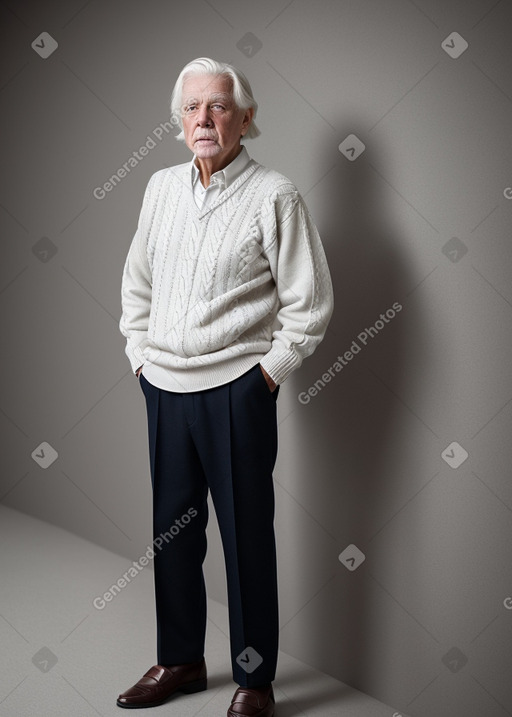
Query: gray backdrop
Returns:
{"type": "Point", "coordinates": [402, 457]}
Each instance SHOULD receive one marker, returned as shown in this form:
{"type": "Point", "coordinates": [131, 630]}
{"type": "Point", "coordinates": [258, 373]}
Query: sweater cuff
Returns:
{"type": "Point", "coordinates": [135, 356]}
{"type": "Point", "coordinates": [280, 364]}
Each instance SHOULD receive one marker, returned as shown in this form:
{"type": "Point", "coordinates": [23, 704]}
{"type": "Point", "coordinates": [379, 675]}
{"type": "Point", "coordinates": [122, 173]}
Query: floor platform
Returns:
{"type": "Point", "coordinates": [61, 655]}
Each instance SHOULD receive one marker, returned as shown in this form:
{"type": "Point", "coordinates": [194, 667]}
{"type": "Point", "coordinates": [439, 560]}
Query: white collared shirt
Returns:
{"type": "Point", "coordinates": [219, 181]}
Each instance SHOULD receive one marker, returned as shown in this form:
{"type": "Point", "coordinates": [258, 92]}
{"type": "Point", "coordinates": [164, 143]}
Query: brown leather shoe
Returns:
{"type": "Point", "coordinates": [159, 683]}
{"type": "Point", "coordinates": [252, 702]}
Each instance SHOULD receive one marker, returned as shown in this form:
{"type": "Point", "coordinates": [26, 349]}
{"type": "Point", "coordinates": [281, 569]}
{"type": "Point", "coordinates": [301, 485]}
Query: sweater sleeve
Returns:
{"type": "Point", "coordinates": [304, 287]}
{"type": "Point", "coordinates": [136, 287]}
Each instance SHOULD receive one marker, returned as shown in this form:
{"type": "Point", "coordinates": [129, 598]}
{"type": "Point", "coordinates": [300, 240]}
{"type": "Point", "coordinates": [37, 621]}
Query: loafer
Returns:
{"type": "Point", "coordinates": [252, 702]}
{"type": "Point", "coordinates": [160, 683]}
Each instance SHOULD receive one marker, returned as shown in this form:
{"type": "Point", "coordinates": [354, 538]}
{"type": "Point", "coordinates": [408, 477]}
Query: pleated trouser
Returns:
{"type": "Point", "coordinates": [222, 440]}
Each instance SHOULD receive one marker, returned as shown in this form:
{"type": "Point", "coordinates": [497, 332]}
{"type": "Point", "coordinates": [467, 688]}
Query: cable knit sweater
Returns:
{"type": "Point", "coordinates": [207, 294]}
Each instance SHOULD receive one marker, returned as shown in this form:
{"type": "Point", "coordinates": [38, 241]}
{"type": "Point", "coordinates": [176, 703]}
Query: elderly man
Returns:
{"type": "Point", "coordinates": [225, 291]}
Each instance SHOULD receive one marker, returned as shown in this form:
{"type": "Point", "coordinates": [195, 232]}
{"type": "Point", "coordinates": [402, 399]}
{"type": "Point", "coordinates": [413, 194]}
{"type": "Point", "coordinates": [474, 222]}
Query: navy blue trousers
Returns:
{"type": "Point", "coordinates": [222, 440]}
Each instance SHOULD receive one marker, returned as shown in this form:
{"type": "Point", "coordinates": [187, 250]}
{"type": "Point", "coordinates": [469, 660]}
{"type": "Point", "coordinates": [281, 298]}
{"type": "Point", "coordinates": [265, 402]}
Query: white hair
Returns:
{"type": "Point", "coordinates": [242, 92]}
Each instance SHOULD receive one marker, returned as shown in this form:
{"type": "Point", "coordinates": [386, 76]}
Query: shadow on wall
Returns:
{"type": "Point", "coordinates": [336, 448]}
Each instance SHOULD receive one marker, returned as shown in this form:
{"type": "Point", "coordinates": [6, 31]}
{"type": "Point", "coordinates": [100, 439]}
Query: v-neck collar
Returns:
{"type": "Point", "coordinates": [226, 193]}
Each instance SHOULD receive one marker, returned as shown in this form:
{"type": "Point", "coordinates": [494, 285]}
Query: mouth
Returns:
{"type": "Point", "coordinates": [205, 139]}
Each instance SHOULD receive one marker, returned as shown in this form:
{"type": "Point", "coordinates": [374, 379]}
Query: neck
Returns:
{"type": "Point", "coordinates": [209, 165]}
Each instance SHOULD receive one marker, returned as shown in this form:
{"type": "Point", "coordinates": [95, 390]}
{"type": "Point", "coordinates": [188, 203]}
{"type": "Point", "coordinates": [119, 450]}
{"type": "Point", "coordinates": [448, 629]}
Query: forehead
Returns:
{"type": "Point", "coordinates": [205, 86]}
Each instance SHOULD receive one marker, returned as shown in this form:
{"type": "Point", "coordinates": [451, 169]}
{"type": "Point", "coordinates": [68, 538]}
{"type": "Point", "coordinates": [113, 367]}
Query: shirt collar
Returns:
{"type": "Point", "coordinates": [223, 177]}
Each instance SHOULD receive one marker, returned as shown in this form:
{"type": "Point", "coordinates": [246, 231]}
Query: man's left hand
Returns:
{"type": "Point", "coordinates": [272, 386]}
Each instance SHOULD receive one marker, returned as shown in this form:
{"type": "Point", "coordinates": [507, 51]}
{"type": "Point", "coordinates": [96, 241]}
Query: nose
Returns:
{"type": "Point", "coordinates": [203, 116]}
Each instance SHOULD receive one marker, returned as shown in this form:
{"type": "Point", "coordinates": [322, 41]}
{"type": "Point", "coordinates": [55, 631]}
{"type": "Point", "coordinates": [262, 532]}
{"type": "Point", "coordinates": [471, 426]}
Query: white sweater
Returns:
{"type": "Point", "coordinates": [207, 294]}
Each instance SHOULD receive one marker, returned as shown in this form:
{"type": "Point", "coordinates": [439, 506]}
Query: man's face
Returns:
{"type": "Point", "coordinates": [212, 123]}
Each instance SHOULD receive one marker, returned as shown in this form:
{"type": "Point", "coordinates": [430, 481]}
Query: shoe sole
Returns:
{"type": "Point", "coordinates": [187, 689]}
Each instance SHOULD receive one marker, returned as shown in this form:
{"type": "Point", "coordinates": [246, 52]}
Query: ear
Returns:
{"type": "Point", "coordinates": [247, 119]}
